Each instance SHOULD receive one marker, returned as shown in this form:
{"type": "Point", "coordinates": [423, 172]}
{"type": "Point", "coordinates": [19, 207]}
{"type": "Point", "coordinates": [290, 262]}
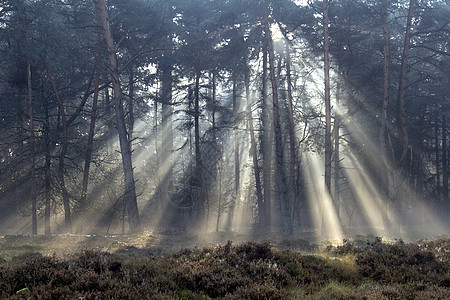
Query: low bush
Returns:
{"type": "Point", "coordinates": [370, 270]}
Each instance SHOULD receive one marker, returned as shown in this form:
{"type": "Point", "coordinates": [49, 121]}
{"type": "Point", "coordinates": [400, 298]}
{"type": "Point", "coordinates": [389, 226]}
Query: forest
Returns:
{"type": "Point", "coordinates": [322, 118]}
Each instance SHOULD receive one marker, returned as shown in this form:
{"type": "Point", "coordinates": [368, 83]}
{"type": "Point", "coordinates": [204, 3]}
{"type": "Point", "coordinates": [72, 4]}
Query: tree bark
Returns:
{"type": "Point", "coordinates": [125, 144]}
{"type": "Point", "coordinates": [47, 166]}
{"type": "Point", "coordinates": [386, 151]}
{"type": "Point", "coordinates": [293, 163]}
{"type": "Point", "coordinates": [89, 146]}
{"type": "Point", "coordinates": [401, 115]}
{"type": "Point", "coordinates": [32, 152]}
{"type": "Point", "coordinates": [445, 165]}
{"type": "Point", "coordinates": [130, 119]}
{"type": "Point", "coordinates": [280, 170]}
{"type": "Point", "coordinates": [328, 147]}
{"type": "Point", "coordinates": [436, 153]}
{"type": "Point", "coordinates": [237, 167]}
{"type": "Point", "coordinates": [198, 156]}
{"type": "Point", "coordinates": [167, 140]}
{"type": "Point", "coordinates": [63, 153]}
{"type": "Point", "coordinates": [337, 158]}
{"type": "Point", "coordinates": [266, 142]}
{"type": "Point", "coordinates": [33, 189]}
{"type": "Point", "coordinates": [254, 154]}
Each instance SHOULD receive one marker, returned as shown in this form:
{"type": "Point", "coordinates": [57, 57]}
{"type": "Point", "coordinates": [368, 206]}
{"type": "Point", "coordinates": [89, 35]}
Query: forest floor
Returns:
{"type": "Point", "coordinates": [176, 265]}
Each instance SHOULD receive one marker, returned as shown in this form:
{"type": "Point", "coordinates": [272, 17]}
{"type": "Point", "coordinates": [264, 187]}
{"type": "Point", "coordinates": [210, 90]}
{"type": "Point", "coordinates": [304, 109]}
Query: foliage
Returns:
{"type": "Point", "coordinates": [250, 270]}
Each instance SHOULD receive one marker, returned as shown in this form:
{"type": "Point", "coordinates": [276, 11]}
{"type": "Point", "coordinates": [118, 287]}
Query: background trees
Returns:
{"type": "Point", "coordinates": [194, 83]}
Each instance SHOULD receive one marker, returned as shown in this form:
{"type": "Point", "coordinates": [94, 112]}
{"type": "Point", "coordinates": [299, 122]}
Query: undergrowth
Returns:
{"type": "Point", "coordinates": [355, 270]}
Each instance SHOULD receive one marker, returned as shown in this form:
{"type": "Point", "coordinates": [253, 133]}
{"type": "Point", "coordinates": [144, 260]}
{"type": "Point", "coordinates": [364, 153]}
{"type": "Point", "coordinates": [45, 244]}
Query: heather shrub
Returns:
{"type": "Point", "coordinates": [356, 270]}
{"type": "Point", "coordinates": [400, 263]}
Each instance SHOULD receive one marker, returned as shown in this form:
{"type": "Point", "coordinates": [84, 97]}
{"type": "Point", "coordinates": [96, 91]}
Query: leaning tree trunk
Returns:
{"type": "Point", "coordinates": [125, 144]}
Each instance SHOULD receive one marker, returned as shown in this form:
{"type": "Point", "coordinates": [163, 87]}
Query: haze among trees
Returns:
{"type": "Point", "coordinates": [327, 117]}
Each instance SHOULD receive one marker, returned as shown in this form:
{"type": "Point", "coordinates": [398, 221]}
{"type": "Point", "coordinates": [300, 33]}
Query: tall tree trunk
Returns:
{"type": "Point", "coordinates": [47, 166]}
{"type": "Point", "coordinates": [198, 156]}
{"type": "Point", "coordinates": [125, 143]}
{"type": "Point", "coordinates": [336, 152]}
{"type": "Point", "coordinates": [33, 189]}
{"type": "Point", "coordinates": [237, 167]}
{"type": "Point", "coordinates": [130, 119]}
{"type": "Point", "coordinates": [167, 131]}
{"type": "Point", "coordinates": [293, 189]}
{"type": "Point", "coordinates": [326, 54]}
{"type": "Point", "coordinates": [445, 164]}
{"type": "Point", "coordinates": [89, 146]}
{"type": "Point", "coordinates": [32, 152]}
{"type": "Point", "coordinates": [401, 115]}
{"type": "Point", "coordinates": [279, 157]}
{"type": "Point", "coordinates": [63, 153]}
{"type": "Point", "coordinates": [254, 154]}
{"type": "Point", "coordinates": [385, 148]}
{"type": "Point", "coordinates": [328, 145]}
{"type": "Point", "coordinates": [156, 137]}
{"type": "Point", "coordinates": [436, 153]}
{"type": "Point", "coordinates": [266, 142]}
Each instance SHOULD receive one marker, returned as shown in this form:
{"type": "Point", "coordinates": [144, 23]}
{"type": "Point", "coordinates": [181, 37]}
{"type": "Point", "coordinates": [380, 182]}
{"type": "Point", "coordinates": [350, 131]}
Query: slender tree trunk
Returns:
{"type": "Point", "coordinates": [167, 140]}
{"type": "Point", "coordinates": [219, 207]}
{"type": "Point", "coordinates": [328, 145]}
{"type": "Point", "coordinates": [33, 189]}
{"type": "Point", "coordinates": [198, 157]}
{"type": "Point", "coordinates": [266, 143]}
{"type": "Point", "coordinates": [436, 153]}
{"type": "Point", "coordinates": [445, 165]}
{"type": "Point", "coordinates": [131, 104]}
{"type": "Point", "coordinates": [280, 170]}
{"type": "Point", "coordinates": [64, 148]}
{"type": "Point", "coordinates": [32, 153]}
{"type": "Point", "coordinates": [293, 189]}
{"type": "Point", "coordinates": [47, 166]}
{"type": "Point", "coordinates": [336, 152]}
{"type": "Point", "coordinates": [156, 135]}
{"type": "Point", "coordinates": [125, 143]}
{"type": "Point", "coordinates": [328, 148]}
{"type": "Point", "coordinates": [401, 115]}
{"type": "Point", "coordinates": [214, 125]}
{"type": "Point", "coordinates": [254, 154]}
{"type": "Point", "coordinates": [237, 167]}
{"type": "Point", "coordinates": [89, 146]}
{"type": "Point", "coordinates": [385, 149]}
